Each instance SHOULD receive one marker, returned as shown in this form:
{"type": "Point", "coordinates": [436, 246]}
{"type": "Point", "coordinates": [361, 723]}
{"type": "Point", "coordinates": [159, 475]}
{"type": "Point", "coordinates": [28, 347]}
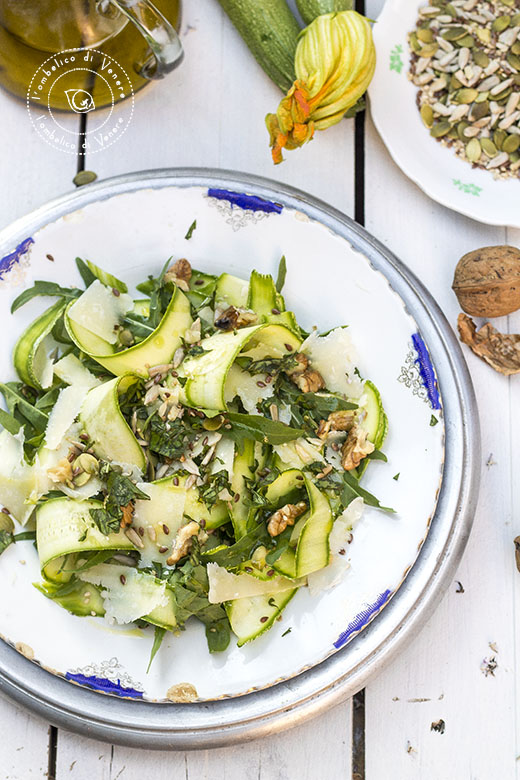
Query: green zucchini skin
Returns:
{"type": "Point", "coordinates": [271, 32]}
{"type": "Point", "coordinates": [310, 9]}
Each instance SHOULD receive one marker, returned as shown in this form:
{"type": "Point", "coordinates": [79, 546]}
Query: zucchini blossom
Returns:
{"type": "Point", "coordinates": [334, 63]}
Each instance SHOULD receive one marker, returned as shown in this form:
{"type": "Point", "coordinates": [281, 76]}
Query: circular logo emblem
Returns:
{"type": "Point", "coordinates": [73, 79]}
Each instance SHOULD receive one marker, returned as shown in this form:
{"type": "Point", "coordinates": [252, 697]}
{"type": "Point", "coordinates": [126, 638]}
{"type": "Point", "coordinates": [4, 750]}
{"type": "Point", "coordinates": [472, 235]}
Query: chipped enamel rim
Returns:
{"type": "Point", "coordinates": [202, 725]}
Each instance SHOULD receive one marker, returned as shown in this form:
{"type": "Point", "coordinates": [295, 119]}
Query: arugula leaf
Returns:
{"type": "Point", "coordinates": [9, 422]}
{"type": "Point", "coordinates": [268, 365]}
{"type": "Point", "coordinates": [191, 228]}
{"type": "Point", "coordinates": [25, 536]}
{"type": "Point", "coordinates": [138, 326]}
{"type": "Point", "coordinates": [218, 634]}
{"type": "Point", "coordinates": [16, 402]}
{"type": "Point", "coordinates": [352, 489]}
{"type": "Point", "coordinates": [6, 539]}
{"type": "Point", "coordinates": [232, 556]}
{"type": "Point", "coordinates": [172, 442]}
{"type": "Point", "coordinates": [282, 273]}
{"type": "Point", "coordinates": [251, 426]}
{"type": "Point", "coordinates": [44, 288]}
{"type": "Point", "coordinates": [85, 272]}
{"type": "Point", "coordinates": [159, 633]}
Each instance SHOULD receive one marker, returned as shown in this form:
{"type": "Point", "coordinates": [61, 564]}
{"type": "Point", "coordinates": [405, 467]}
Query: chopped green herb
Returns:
{"type": "Point", "coordinates": [191, 228]}
{"type": "Point", "coordinates": [282, 273]}
{"type": "Point", "coordinates": [396, 476]}
{"type": "Point", "coordinates": [433, 420]}
{"type": "Point", "coordinates": [6, 539]}
{"type": "Point", "coordinates": [287, 632]}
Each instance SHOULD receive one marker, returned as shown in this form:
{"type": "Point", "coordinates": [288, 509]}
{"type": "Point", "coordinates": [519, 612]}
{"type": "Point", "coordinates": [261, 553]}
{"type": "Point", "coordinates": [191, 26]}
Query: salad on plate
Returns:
{"type": "Point", "coordinates": [186, 452]}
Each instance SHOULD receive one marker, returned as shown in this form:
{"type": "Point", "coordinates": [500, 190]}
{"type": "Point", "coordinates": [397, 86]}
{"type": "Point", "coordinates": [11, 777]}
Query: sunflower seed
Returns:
{"type": "Point", "coordinates": [458, 112]}
{"type": "Point", "coordinates": [497, 161]}
{"type": "Point", "coordinates": [471, 131]}
{"type": "Point", "coordinates": [512, 103]}
{"type": "Point", "coordinates": [488, 83]}
{"type": "Point", "coordinates": [508, 121]}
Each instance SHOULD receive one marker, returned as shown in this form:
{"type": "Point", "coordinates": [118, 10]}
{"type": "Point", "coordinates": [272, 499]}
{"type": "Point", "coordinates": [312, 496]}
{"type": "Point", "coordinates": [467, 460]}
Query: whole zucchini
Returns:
{"type": "Point", "coordinates": [271, 33]}
{"type": "Point", "coordinates": [310, 9]}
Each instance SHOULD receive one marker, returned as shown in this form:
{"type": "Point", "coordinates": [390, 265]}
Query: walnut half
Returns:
{"type": "Point", "coordinates": [285, 516]}
{"type": "Point", "coordinates": [304, 377]}
{"type": "Point", "coordinates": [182, 543]}
{"type": "Point", "coordinates": [233, 318]}
{"type": "Point", "coordinates": [355, 448]}
{"type": "Point", "coordinates": [336, 421]}
{"type": "Point", "coordinates": [180, 274]}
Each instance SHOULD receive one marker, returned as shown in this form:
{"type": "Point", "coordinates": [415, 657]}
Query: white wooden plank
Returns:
{"type": "Point", "coordinates": [23, 745]}
{"type": "Point", "coordinates": [320, 748]}
{"type": "Point", "coordinates": [32, 172]}
{"type": "Point", "coordinates": [443, 666]}
{"type": "Point", "coordinates": [210, 112]}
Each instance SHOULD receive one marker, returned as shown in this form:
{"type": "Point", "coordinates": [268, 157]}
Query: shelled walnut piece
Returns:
{"type": "Point", "coordinates": [305, 377]}
{"type": "Point", "coordinates": [500, 350]}
{"type": "Point", "coordinates": [487, 281]}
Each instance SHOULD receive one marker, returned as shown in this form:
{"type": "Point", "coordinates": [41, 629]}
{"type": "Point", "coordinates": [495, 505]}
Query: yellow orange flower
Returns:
{"type": "Point", "coordinates": [334, 63]}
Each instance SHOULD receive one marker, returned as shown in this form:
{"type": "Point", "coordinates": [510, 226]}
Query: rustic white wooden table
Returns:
{"type": "Point", "coordinates": [460, 672]}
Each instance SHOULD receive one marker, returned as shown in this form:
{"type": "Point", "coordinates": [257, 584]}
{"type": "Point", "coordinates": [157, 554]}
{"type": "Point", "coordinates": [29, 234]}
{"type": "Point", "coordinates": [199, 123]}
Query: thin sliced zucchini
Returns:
{"type": "Point", "coordinates": [286, 488]}
{"type": "Point", "coordinates": [243, 468]}
{"type": "Point", "coordinates": [206, 373]}
{"type": "Point", "coordinates": [81, 599]}
{"type": "Point", "coordinates": [231, 291]}
{"type": "Point", "coordinates": [164, 615]}
{"type": "Point", "coordinates": [103, 421]}
{"type": "Point", "coordinates": [268, 303]}
{"type": "Point", "coordinates": [250, 617]}
{"type": "Point", "coordinates": [156, 349]}
{"type": "Point", "coordinates": [375, 422]}
{"type": "Point", "coordinates": [30, 357]}
{"type": "Point", "coordinates": [312, 552]}
{"type": "Point", "coordinates": [65, 526]}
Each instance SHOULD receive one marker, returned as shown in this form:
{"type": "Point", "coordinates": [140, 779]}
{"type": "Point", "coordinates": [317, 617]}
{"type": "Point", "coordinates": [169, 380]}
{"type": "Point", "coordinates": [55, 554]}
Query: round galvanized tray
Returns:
{"type": "Point", "coordinates": [214, 723]}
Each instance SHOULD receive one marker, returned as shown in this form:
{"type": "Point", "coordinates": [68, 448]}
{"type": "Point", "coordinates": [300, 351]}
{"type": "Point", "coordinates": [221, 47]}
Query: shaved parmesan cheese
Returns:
{"type": "Point", "coordinates": [334, 357]}
{"type": "Point", "coordinates": [63, 414]}
{"type": "Point", "coordinates": [42, 364]}
{"type": "Point", "coordinates": [98, 310]}
{"type": "Point", "coordinates": [165, 508]}
{"type": "Point", "coordinates": [339, 539]}
{"type": "Point", "coordinates": [224, 457]}
{"type": "Point", "coordinates": [138, 596]}
{"type": "Point", "coordinates": [72, 371]}
{"type": "Point", "coordinates": [298, 453]}
{"type": "Point", "coordinates": [19, 483]}
{"type": "Point", "coordinates": [225, 586]}
{"type": "Point", "coordinates": [244, 385]}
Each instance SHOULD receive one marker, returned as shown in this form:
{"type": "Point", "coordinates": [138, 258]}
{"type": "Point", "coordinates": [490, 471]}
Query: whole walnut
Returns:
{"type": "Point", "coordinates": [487, 281]}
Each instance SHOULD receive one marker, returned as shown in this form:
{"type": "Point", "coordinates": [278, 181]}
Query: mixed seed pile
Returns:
{"type": "Point", "coordinates": [466, 61]}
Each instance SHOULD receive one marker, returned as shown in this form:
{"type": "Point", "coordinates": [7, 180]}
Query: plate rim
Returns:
{"type": "Point", "coordinates": [226, 721]}
{"type": "Point", "coordinates": [403, 165]}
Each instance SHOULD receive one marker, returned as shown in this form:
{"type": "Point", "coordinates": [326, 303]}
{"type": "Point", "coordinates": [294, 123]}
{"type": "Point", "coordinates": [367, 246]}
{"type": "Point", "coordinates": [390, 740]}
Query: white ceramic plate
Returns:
{"type": "Point", "coordinates": [328, 283]}
{"type": "Point", "coordinates": [433, 167]}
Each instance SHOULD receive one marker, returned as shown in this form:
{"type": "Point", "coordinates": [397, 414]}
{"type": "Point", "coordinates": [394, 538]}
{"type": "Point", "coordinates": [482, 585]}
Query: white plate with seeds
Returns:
{"type": "Point", "coordinates": [478, 189]}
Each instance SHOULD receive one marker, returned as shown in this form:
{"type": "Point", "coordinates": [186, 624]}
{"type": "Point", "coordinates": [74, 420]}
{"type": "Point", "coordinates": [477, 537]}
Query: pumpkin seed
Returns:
{"type": "Point", "coordinates": [84, 177]}
{"type": "Point", "coordinates": [461, 129]}
{"type": "Point", "coordinates": [451, 10]}
{"type": "Point", "coordinates": [483, 34]}
{"type": "Point", "coordinates": [427, 114]}
{"type": "Point", "coordinates": [482, 97]}
{"type": "Point", "coordinates": [454, 33]}
{"type": "Point", "coordinates": [414, 43]}
{"type": "Point", "coordinates": [511, 143]}
{"type": "Point", "coordinates": [6, 523]}
{"type": "Point", "coordinates": [515, 20]}
{"type": "Point", "coordinates": [514, 157]}
{"type": "Point", "coordinates": [473, 150]}
{"type": "Point", "coordinates": [455, 83]}
{"type": "Point", "coordinates": [513, 60]}
{"type": "Point", "coordinates": [440, 129]}
{"type": "Point", "coordinates": [499, 136]}
{"type": "Point", "coordinates": [453, 133]}
{"type": "Point", "coordinates": [501, 23]}
{"type": "Point", "coordinates": [466, 95]}
{"type": "Point", "coordinates": [488, 146]}
{"type": "Point", "coordinates": [429, 49]}
{"type": "Point", "coordinates": [480, 58]}
{"type": "Point", "coordinates": [467, 41]}
{"type": "Point", "coordinates": [515, 48]}
{"type": "Point", "coordinates": [479, 110]}
{"type": "Point", "coordinates": [425, 35]}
